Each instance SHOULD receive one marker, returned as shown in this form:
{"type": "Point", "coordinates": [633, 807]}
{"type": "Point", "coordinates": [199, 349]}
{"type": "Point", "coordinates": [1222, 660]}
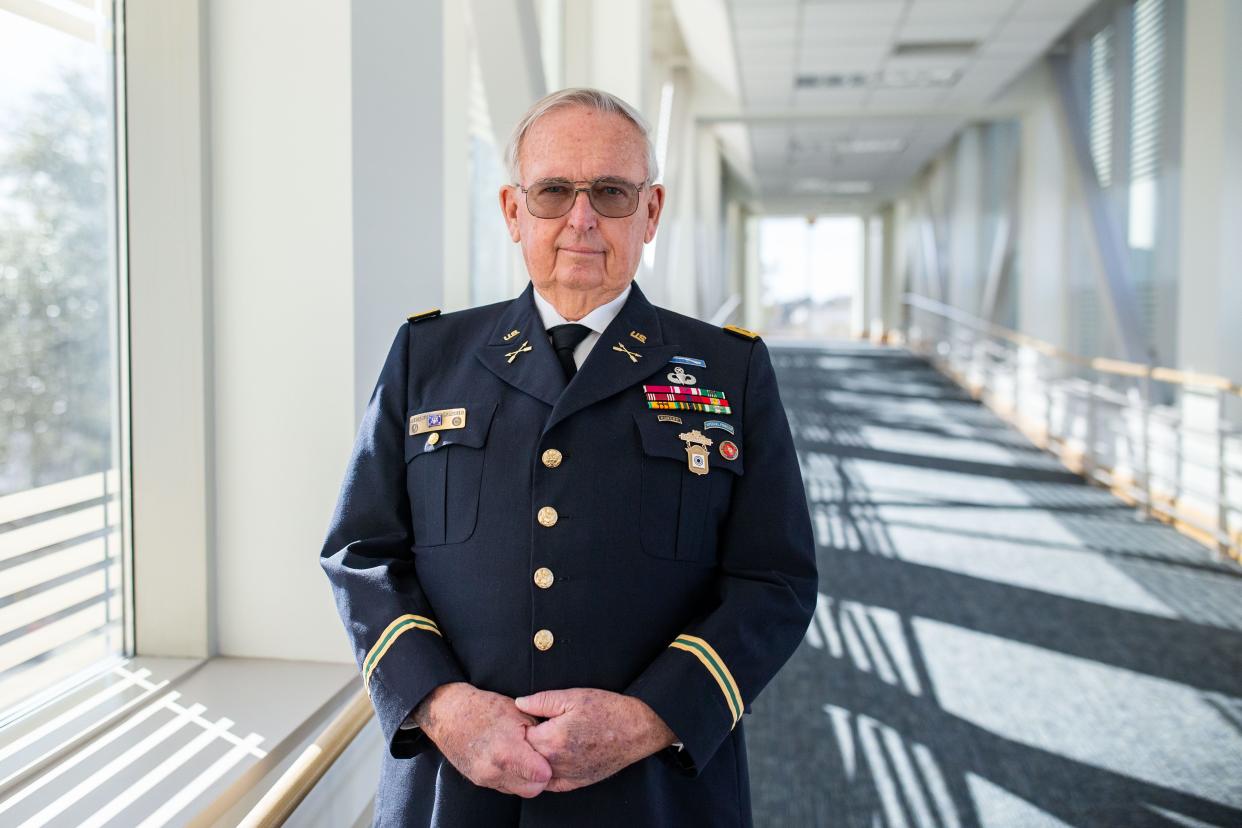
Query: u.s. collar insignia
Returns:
{"type": "Point", "coordinates": [510, 334]}
{"type": "Point", "coordinates": [641, 337]}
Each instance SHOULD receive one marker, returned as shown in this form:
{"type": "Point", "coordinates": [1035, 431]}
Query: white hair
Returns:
{"type": "Point", "coordinates": [578, 96]}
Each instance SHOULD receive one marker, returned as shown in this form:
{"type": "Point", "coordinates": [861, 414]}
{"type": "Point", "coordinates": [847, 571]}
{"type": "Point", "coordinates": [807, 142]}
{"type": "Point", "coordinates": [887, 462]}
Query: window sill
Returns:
{"type": "Point", "coordinates": [176, 739]}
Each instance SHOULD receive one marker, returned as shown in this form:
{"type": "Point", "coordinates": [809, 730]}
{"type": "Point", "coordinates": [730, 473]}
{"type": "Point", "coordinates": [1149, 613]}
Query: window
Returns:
{"type": "Point", "coordinates": [61, 576]}
{"type": "Point", "coordinates": [1130, 67]}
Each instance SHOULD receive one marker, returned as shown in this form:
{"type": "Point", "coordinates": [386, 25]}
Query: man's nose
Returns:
{"type": "Point", "coordinates": [582, 215]}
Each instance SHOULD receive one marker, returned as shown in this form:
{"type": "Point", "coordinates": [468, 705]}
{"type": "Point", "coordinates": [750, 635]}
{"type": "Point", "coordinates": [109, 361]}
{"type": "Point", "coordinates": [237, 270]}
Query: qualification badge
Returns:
{"type": "Point", "coordinates": [696, 450]}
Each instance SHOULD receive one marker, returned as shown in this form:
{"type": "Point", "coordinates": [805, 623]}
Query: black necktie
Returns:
{"type": "Point", "coordinates": [564, 339]}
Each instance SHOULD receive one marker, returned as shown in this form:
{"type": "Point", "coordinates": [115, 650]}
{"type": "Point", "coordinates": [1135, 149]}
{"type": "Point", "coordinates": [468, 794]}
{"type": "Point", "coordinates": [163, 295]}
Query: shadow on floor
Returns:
{"type": "Point", "coordinates": [996, 643]}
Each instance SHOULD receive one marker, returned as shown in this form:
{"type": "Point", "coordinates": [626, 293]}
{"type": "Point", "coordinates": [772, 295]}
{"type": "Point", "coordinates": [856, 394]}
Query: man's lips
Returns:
{"type": "Point", "coordinates": [583, 250]}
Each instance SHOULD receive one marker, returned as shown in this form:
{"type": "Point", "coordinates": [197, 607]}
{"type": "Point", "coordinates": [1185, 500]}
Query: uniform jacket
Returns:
{"type": "Point", "coordinates": [687, 590]}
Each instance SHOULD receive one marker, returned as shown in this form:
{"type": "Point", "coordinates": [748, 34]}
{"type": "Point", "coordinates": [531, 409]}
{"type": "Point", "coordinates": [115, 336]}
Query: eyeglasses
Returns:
{"type": "Point", "coordinates": [554, 197]}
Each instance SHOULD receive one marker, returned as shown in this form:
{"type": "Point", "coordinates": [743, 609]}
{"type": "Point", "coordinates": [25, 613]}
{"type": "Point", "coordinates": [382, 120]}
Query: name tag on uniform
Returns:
{"type": "Point", "coordinates": [441, 420]}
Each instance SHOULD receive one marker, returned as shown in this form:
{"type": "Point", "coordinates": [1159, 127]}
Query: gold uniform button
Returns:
{"type": "Point", "coordinates": [552, 458]}
{"type": "Point", "coordinates": [433, 438]}
{"type": "Point", "coordinates": [547, 516]}
{"type": "Point", "coordinates": [543, 577]}
{"type": "Point", "coordinates": [543, 640]}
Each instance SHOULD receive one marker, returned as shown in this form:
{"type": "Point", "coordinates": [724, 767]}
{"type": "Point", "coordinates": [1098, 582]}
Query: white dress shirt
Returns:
{"type": "Point", "coordinates": [596, 320]}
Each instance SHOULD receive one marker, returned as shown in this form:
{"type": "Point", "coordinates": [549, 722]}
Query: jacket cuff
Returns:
{"type": "Point", "coordinates": [399, 675]}
{"type": "Point", "coordinates": [690, 687]}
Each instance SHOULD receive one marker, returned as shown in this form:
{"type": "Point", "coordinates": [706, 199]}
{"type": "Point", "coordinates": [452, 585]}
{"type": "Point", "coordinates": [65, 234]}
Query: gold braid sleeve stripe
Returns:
{"type": "Point", "coordinates": [399, 625]}
{"type": "Point", "coordinates": [715, 665]}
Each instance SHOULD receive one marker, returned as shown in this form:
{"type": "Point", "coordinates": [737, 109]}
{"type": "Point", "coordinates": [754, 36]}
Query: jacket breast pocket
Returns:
{"type": "Point", "coordinates": [444, 475]}
{"type": "Point", "coordinates": [680, 511]}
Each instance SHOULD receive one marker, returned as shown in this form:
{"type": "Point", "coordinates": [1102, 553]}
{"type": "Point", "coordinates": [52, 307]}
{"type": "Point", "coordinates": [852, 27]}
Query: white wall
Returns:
{"type": "Point", "coordinates": [284, 330]}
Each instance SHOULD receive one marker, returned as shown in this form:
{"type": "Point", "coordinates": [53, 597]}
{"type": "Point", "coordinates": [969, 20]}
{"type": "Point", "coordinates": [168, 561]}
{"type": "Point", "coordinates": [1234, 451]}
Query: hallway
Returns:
{"type": "Point", "coordinates": [996, 643]}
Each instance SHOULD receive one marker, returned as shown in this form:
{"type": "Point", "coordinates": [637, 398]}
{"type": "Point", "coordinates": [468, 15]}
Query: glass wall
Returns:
{"type": "Point", "coordinates": [1127, 59]}
{"type": "Point", "coordinates": [810, 269]}
{"type": "Point", "coordinates": [61, 578]}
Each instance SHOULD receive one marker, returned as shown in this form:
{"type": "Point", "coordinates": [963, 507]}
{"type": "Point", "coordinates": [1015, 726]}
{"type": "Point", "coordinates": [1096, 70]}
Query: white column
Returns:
{"type": "Point", "coordinates": [1210, 278]}
{"type": "Point", "coordinates": [169, 217]}
{"type": "Point", "coordinates": [607, 45]}
{"type": "Point", "coordinates": [1049, 203]}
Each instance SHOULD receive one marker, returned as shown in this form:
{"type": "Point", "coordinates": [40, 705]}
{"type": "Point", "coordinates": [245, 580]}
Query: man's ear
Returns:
{"type": "Point", "coordinates": [655, 206]}
{"type": "Point", "coordinates": [509, 203]}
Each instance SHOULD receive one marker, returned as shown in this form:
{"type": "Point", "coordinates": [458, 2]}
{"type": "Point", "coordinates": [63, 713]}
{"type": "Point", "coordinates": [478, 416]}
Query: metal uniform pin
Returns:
{"type": "Point", "coordinates": [525, 346]}
{"type": "Point", "coordinates": [619, 348]}
{"type": "Point", "coordinates": [511, 334]}
{"type": "Point", "coordinates": [696, 450]}
{"type": "Point", "coordinates": [680, 376]}
{"type": "Point", "coordinates": [641, 337]}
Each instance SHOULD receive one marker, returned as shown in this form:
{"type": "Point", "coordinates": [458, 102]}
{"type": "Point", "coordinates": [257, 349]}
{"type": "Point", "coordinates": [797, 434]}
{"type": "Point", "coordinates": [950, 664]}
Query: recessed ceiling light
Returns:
{"type": "Point", "coordinates": [870, 146]}
{"type": "Point", "coordinates": [916, 78]}
{"type": "Point", "coordinates": [893, 78]}
{"type": "Point", "coordinates": [936, 48]}
{"type": "Point", "coordinates": [850, 187]}
{"type": "Point", "coordinates": [820, 186]}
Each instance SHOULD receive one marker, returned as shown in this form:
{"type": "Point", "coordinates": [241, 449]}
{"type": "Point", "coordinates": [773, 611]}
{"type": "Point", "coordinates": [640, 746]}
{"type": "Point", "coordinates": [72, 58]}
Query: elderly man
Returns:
{"type": "Point", "coordinates": [572, 544]}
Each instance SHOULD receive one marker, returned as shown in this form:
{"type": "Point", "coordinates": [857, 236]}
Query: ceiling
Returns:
{"type": "Point", "coordinates": [848, 99]}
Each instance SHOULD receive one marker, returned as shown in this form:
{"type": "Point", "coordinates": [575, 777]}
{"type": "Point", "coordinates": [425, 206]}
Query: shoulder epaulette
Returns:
{"type": "Point", "coordinates": [742, 332]}
{"type": "Point", "coordinates": [427, 314]}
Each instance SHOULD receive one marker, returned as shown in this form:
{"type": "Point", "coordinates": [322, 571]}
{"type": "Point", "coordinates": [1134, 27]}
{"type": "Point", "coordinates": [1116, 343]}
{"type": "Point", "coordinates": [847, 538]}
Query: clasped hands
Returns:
{"type": "Point", "coordinates": [497, 742]}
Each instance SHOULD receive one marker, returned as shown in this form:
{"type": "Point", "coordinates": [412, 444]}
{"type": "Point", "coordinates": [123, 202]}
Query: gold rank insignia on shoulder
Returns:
{"type": "Point", "coordinates": [440, 420]}
{"type": "Point", "coordinates": [427, 314]}
{"type": "Point", "coordinates": [742, 332]}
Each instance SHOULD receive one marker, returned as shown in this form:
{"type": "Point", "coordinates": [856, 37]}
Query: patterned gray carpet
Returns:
{"type": "Point", "coordinates": [996, 643]}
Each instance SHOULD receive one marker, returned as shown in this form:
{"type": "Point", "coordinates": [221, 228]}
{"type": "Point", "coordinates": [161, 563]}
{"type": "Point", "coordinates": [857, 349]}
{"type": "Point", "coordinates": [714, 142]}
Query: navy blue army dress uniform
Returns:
{"type": "Point", "coordinates": [499, 526]}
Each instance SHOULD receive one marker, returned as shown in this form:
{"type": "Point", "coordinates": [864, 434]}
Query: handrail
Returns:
{"type": "Point", "coordinates": [1174, 376]}
{"type": "Point", "coordinates": [1128, 457]}
{"type": "Point", "coordinates": [283, 798]}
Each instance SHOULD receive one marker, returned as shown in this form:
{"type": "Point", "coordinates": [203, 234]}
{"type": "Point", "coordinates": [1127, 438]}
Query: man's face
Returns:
{"type": "Point", "coordinates": [582, 250]}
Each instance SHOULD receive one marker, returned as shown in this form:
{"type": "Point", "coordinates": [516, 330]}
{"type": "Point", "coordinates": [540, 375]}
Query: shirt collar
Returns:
{"type": "Point", "coordinates": [597, 320]}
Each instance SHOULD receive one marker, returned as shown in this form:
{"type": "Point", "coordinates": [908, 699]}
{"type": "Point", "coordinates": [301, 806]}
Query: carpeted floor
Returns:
{"type": "Point", "coordinates": [996, 643]}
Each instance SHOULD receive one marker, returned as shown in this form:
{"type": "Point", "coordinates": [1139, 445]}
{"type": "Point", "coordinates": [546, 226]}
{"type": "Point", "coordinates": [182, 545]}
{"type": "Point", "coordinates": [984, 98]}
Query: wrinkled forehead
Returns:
{"type": "Point", "coordinates": [580, 143]}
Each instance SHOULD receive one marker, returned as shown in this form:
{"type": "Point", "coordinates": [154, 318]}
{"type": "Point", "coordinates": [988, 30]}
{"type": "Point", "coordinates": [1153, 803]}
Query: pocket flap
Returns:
{"type": "Point", "coordinates": [473, 433]}
{"type": "Point", "coordinates": [661, 439]}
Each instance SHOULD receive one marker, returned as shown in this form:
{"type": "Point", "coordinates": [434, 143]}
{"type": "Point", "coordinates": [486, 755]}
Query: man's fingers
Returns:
{"type": "Point", "coordinates": [533, 767]}
{"type": "Point", "coordinates": [561, 784]}
{"type": "Point", "coordinates": [545, 703]}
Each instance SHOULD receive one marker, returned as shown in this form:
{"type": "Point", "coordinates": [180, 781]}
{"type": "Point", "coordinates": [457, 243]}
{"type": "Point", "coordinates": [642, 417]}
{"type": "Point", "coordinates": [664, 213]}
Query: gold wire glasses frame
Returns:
{"type": "Point", "coordinates": [554, 197]}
